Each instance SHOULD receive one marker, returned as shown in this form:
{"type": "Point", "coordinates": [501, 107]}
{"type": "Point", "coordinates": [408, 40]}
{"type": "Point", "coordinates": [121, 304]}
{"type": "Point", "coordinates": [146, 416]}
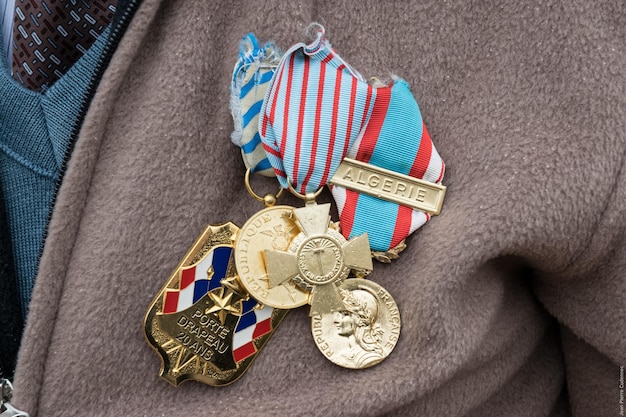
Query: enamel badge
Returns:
{"type": "Point", "coordinates": [202, 324]}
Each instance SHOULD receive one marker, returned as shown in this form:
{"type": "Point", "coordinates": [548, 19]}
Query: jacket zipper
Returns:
{"type": "Point", "coordinates": [6, 393]}
{"type": "Point", "coordinates": [125, 11]}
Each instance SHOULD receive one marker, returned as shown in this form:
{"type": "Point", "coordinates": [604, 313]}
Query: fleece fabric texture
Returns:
{"type": "Point", "coordinates": [35, 132]}
{"type": "Point", "coordinates": [513, 300]}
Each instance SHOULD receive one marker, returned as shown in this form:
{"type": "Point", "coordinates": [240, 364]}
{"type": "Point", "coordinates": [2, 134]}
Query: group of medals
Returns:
{"type": "Point", "coordinates": [308, 119]}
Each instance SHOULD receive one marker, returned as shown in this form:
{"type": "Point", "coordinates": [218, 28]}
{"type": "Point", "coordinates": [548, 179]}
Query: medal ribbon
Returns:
{"type": "Point", "coordinates": [395, 139]}
{"type": "Point", "coordinates": [318, 110]}
{"type": "Point", "coordinates": [251, 77]}
{"type": "Point", "coordinates": [313, 111]}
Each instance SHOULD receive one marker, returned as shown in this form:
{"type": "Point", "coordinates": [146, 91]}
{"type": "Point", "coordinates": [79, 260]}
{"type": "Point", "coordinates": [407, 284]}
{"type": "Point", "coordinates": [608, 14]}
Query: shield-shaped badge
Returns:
{"type": "Point", "coordinates": [202, 323]}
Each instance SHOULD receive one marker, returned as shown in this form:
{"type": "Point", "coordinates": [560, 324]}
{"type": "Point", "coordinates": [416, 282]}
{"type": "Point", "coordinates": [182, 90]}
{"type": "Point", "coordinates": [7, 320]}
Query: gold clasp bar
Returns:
{"type": "Point", "coordinates": [391, 186]}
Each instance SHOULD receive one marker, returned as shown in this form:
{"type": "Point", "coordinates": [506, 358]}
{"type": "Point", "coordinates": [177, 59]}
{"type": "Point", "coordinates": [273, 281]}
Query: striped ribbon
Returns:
{"type": "Point", "coordinates": [313, 112]}
{"type": "Point", "coordinates": [395, 139]}
{"type": "Point", "coordinates": [251, 77]}
{"type": "Point", "coordinates": [318, 110]}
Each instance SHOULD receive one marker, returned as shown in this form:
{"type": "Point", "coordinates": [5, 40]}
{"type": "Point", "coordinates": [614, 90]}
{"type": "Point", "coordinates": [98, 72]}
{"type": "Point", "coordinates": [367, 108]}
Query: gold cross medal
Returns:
{"type": "Point", "coordinates": [355, 322]}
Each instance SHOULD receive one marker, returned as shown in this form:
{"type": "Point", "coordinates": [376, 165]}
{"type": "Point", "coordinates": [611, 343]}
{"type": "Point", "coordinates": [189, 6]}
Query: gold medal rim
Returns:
{"type": "Point", "coordinates": [261, 298]}
{"type": "Point", "coordinates": [352, 284]}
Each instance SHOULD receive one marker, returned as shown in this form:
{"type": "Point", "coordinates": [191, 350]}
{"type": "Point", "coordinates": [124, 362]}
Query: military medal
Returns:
{"type": "Point", "coordinates": [202, 324]}
{"type": "Point", "coordinates": [315, 109]}
{"type": "Point", "coordinates": [375, 181]}
{"type": "Point", "coordinates": [309, 119]}
{"type": "Point", "coordinates": [308, 266]}
{"type": "Point", "coordinates": [318, 259]}
{"type": "Point", "coordinates": [364, 331]}
{"type": "Point", "coordinates": [273, 228]}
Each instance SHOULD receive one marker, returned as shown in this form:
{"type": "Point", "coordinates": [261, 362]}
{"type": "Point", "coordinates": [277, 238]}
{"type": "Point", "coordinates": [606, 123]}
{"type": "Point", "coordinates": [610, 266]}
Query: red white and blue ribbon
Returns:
{"type": "Point", "coordinates": [314, 110]}
{"type": "Point", "coordinates": [395, 139]}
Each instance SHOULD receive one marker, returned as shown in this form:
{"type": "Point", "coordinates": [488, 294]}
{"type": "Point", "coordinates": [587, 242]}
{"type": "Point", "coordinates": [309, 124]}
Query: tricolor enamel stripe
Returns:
{"type": "Point", "coordinates": [205, 276]}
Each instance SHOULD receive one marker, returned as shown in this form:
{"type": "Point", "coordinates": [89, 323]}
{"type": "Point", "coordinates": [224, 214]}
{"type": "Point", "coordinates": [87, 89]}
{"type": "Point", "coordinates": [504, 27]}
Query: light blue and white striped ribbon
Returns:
{"type": "Point", "coordinates": [251, 77]}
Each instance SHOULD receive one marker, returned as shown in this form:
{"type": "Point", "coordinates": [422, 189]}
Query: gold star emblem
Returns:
{"type": "Point", "coordinates": [222, 304]}
{"type": "Point", "coordinates": [232, 284]}
{"type": "Point", "coordinates": [210, 272]}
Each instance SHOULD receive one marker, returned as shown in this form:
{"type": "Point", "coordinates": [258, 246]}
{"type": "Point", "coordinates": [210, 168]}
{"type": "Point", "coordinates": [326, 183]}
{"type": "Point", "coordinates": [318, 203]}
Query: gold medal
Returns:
{"type": "Point", "coordinates": [318, 259]}
{"type": "Point", "coordinates": [364, 331]}
{"type": "Point", "coordinates": [273, 229]}
{"type": "Point", "coordinates": [287, 257]}
{"type": "Point", "coordinates": [202, 323]}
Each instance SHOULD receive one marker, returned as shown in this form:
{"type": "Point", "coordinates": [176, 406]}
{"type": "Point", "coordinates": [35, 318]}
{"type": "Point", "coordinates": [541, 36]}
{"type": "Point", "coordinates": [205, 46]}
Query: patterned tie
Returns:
{"type": "Point", "coordinates": [51, 35]}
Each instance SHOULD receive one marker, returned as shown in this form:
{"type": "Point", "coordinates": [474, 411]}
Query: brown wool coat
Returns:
{"type": "Point", "coordinates": [513, 300]}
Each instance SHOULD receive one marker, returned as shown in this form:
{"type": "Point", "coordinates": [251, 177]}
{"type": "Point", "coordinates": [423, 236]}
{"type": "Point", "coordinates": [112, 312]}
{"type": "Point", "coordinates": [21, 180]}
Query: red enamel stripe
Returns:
{"type": "Point", "coordinates": [422, 159]}
{"type": "Point", "coordinates": [244, 352]}
{"type": "Point", "coordinates": [262, 328]}
{"type": "Point", "coordinates": [305, 81]}
{"type": "Point", "coordinates": [318, 119]}
{"type": "Point", "coordinates": [187, 276]}
{"type": "Point", "coordinates": [170, 304]}
{"type": "Point", "coordinates": [333, 127]}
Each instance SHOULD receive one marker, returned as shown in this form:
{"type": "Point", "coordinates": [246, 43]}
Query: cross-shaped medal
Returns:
{"type": "Point", "coordinates": [318, 259]}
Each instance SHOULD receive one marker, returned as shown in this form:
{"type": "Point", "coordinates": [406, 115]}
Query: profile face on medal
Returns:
{"type": "Point", "coordinates": [364, 332]}
{"type": "Point", "coordinates": [360, 315]}
{"type": "Point", "coordinates": [359, 323]}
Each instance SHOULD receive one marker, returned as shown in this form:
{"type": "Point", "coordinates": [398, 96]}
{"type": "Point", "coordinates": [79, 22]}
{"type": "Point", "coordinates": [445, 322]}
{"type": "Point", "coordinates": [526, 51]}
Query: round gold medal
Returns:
{"type": "Point", "coordinates": [271, 229]}
{"type": "Point", "coordinates": [364, 332]}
